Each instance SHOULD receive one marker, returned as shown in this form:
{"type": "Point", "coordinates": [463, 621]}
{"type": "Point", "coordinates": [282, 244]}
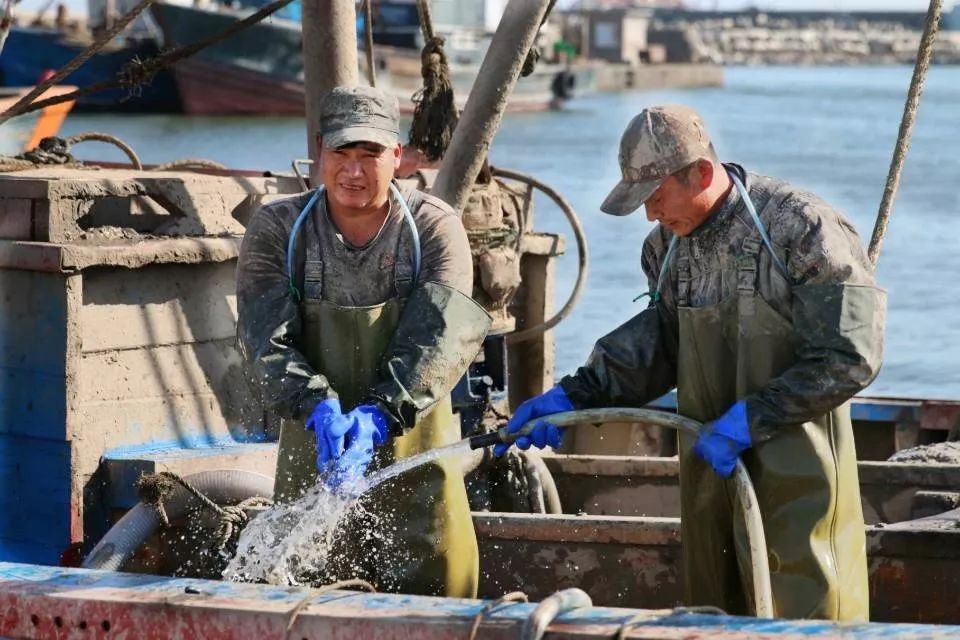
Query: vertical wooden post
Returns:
{"type": "Point", "coordinates": [329, 55]}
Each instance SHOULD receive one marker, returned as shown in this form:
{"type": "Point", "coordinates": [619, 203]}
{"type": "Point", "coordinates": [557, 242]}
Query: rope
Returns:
{"type": "Point", "coordinates": [8, 164]}
{"type": "Point", "coordinates": [56, 151]}
{"type": "Point", "coordinates": [435, 110]}
{"type": "Point", "coordinates": [188, 163]}
{"type": "Point", "coordinates": [646, 616]}
{"type": "Point", "coordinates": [109, 139]}
{"type": "Point", "coordinates": [513, 596]}
{"type": "Point", "coordinates": [139, 72]}
{"type": "Point", "coordinates": [26, 104]}
{"type": "Point", "coordinates": [533, 56]}
{"type": "Point", "coordinates": [6, 22]}
{"type": "Point", "coordinates": [368, 42]}
{"type": "Point", "coordinates": [307, 599]}
{"type": "Point", "coordinates": [153, 489]}
{"type": "Point", "coordinates": [924, 54]}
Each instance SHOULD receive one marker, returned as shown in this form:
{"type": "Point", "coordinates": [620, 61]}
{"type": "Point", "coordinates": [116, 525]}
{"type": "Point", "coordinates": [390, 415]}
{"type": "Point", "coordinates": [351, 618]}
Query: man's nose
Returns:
{"type": "Point", "coordinates": [352, 168]}
{"type": "Point", "coordinates": [652, 214]}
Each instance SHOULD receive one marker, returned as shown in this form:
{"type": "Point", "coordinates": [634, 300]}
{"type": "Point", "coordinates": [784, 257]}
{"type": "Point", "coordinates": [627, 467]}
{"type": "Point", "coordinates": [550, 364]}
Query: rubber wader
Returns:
{"type": "Point", "coordinates": [413, 534]}
{"type": "Point", "coordinates": [805, 477]}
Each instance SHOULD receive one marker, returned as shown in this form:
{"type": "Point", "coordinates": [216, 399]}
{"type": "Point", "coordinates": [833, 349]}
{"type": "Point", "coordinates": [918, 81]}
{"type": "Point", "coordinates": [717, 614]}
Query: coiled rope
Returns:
{"type": "Point", "coordinates": [154, 489]}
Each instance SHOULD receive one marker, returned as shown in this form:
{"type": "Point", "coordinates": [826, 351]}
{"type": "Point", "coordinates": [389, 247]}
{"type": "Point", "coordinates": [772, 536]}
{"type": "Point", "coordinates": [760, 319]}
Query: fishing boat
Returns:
{"type": "Point", "coordinates": [260, 70]}
{"type": "Point", "coordinates": [32, 51]}
{"type": "Point", "coordinates": [118, 360]}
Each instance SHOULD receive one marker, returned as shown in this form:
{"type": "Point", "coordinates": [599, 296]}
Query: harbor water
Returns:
{"type": "Point", "coordinates": [831, 130]}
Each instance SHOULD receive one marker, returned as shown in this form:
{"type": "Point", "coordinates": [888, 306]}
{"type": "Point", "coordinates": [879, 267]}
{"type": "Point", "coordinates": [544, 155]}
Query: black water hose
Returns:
{"type": "Point", "coordinates": [746, 496]}
{"type": "Point", "coordinates": [223, 486]}
{"type": "Point", "coordinates": [583, 255]}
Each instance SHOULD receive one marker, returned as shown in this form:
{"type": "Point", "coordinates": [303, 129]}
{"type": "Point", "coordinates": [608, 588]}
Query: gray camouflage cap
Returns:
{"type": "Point", "coordinates": [359, 114]}
{"type": "Point", "coordinates": [658, 142]}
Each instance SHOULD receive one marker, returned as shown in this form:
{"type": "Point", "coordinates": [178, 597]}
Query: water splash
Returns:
{"type": "Point", "coordinates": [290, 543]}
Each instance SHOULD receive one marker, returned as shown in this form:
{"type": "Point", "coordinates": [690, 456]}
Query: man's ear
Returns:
{"type": "Point", "coordinates": [705, 172]}
{"type": "Point", "coordinates": [397, 156]}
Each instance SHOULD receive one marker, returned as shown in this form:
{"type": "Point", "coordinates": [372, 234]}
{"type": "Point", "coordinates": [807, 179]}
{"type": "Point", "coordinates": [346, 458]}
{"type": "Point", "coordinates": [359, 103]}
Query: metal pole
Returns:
{"type": "Point", "coordinates": [329, 55]}
{"type": "Point", "coordinates": [488, 98]}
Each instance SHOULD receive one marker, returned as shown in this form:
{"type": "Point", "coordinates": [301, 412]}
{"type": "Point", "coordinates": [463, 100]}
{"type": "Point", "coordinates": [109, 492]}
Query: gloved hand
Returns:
{"type": "Point", "coordinates": [722, 441]}
{"type": "Point", "coordinates": [329, 425]}
{"type": "Point", "coordinates": [553, 401]}
{"type": "Point", "coordinates": [368, 429]}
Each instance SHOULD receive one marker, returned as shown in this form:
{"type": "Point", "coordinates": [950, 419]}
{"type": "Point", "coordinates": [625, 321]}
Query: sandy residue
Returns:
{"type": "Point", "coordinates": [937, 453]}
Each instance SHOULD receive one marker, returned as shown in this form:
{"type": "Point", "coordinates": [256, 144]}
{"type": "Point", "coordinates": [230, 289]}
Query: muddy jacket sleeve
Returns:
{"type": "Point", "coordinates": [441, 328]}
{"type": "Point", "coordinates": [838, 319]}
{"type": "Point", "coordinates": [637, 361]}
{"type": "Point", "coordinates": [268, 317]}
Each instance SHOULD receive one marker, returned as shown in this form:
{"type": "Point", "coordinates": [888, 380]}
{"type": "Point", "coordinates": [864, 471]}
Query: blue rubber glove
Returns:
{"type": "Point", "coordinates": [544, 434]}
{"type": "Point", "coordinates": [368, 430]}
{"type": "Point", "coordinates": [329, 425]}
{"type": "Point", "coordinates": [722, 441]}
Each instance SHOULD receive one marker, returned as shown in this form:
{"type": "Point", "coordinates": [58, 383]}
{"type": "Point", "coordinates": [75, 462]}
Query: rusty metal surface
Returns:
{"type": "Point", "coordinates": [637, 486]}
{"type": "Point", "coordinates": [49, 602]}
{"type": "Point", "coordinates": [941, 415]}
{"type": "Point", "coordinates": [631, 561]}
{"type": "Point", "coordinates": [551, 528]}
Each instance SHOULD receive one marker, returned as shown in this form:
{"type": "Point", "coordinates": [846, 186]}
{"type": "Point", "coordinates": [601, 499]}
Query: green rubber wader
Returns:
{"type": "Point", "coordinates": [413, 534]}
{"type": "Point", "coordinates": [805, 477]}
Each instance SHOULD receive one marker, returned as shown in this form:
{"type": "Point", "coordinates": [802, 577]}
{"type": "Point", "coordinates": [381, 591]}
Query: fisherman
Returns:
{"type": "Point", "coordinates": [764, 315]}
{"type": "Point", "coordinates": [356, 318]}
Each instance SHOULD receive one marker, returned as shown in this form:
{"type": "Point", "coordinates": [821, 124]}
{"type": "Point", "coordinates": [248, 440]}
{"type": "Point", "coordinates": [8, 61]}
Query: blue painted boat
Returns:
{"type": "Point", "coordinates": [29, 52]}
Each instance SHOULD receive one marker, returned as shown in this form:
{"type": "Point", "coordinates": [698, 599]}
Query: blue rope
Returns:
{"type": "Point", "coordinates": [655, 295]}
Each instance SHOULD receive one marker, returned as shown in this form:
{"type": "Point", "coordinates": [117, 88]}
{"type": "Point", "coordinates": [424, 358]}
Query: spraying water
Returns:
{"type": "Point", "coordinates": [289, 544]}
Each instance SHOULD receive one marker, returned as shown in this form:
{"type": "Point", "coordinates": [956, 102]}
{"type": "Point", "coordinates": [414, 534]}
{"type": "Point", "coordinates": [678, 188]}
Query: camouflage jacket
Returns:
{"type": "Point", "coordinates": [637, 362]}
{"type": "Point", "coordinates": [269, 330]}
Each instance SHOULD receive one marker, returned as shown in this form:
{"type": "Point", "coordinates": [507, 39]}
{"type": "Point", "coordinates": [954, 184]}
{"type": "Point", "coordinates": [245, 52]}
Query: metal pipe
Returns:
{"type": "Point", "coordinates": [329, 56]}
{"type": "Point", "coordinates": [746, 496]}
{"type": "Point", "coordinates": [488, 99]}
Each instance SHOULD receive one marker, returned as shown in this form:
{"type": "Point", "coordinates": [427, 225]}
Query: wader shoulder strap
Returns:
{"type": "Point", "coordinates": [407, 208]}
{"type": "Point", "coordinates": [292, 243]}
{"type": "Point", "coordinates": [782, 268]}
{"type": "Point", "coordinates": [305, 213]}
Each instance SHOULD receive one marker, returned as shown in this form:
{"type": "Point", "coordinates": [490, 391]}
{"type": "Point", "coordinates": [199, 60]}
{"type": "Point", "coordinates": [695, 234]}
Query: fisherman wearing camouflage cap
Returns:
{"type": "Point", "coordinates": [354, 313]}
{"type": "Point", "coordinates": [764, 315]}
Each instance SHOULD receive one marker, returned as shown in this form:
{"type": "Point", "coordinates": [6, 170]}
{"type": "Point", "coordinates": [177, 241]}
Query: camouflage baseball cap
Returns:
{"type": "Point", "coordinates": [359, 114]}
{"type": "Point", "coordinates": [658, 142]}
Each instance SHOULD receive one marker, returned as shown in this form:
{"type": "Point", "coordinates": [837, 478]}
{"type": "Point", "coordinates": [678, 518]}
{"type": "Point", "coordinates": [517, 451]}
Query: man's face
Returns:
{"type": "Point", "coordinates": [679, 205]}
{"type": "Point", "coordinates": [357, 176]}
